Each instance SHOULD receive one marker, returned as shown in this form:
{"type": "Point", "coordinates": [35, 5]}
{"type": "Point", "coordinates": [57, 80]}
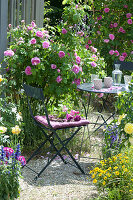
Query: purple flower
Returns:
{"type": "Point", "coordinates": [93, 64]}
{"type": "Point", "coordinates": [45, 45]}
{"type": "Point", "coordinates": [17, 153]}
{"type": "Point", "coordinates": [106, 10]}
{"type": "Point", "coordinates": [39, 34]}
{"type": "Point", "coordinates": [28, 70]}
{"type": "Point", "coordinates": [29, 28]}
{"type": "Point", "coordinates": [129, 21]}
{"type": "Point", "coordinates": [121, 58]}
{"type": "Point", "coordinates": [8, 53]}
{"type": "Point", "coordinates": [58, 79]}
{"type": "Point", "coordinates": [69, 117]}
{"type": "Point", "coordinates": [111, 36]}
{"type": "Point", "coordinates": [106, 40]}
{"type": "Point", "coordinates": [77, 81]}
{"type": "Point", "coordinates": [89, 42]}
{"type": "Point", "coordinates": [124, 54]}
{"type": "Point", "coordinates": [53, 66]}
{"type": "Point", "coordinates": [77, 118]}
{"type": "Point", "coordinates": [58, 70]}
{"type": "Point", "coordinates": [33, 41]}
{"type": "Point", "coordinates": [22, 160]}
{"type": "Point", "coordinates": [35, 61]}
{"type": "Point", "coordinates": [78, 59]}
{"type": "Point", "coordinates": [115, 25]}
{"type": "Point", "coordinates": [61, 54]}
{"type": "Point", "coordinates": [93, 49]}
{"type": "Point", "coordinates": [111, 52]}
{"type": "Point", "coordinates": [8, 151]}
{"type": "Point", "coordinates": [75, 69]}
{"type": "Point", "coordinates": [64, 31]}
{"type": "Point", "coordinates": [128, 15]}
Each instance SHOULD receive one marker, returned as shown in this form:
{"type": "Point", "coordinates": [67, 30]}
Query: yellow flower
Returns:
{"type": "Point", "coordinates": [128, 128]}
{"type": "Point", "coordinates": [91, 171]}
{"type": "Point", "coordinates": [16, 130]}
{"type": "Point", "coordinates": [125, 170]}
{"type": "Point", "coordinates": [1, 78]}
{"type": "Point", "coordinates": [108, 174]}
{"type": "Point", "coordinates": [123, 166]}
{"type": "Point", "coordinates": [94, 181]}
{"type": "Point", "coordinates": [115, 167]}
{"type": "Point", "coordinates": [93, 176]}
{"type": "Point", "coordinates": [100, 174]}
{"type": "Point", "coordinates": [121, 117]}
{"type": "Point", "coordinates": [3, 129]}
{"type": "Point", "coordinates": [96, 169]}
{"type": "Point", "coordinates": [105, 177]}
{"type": "Point", "coordinates": [117, 173]}
{"type": "Point", "coordinates": [119, 93]}
{"type": "Point", "coordinates": [104, 182]}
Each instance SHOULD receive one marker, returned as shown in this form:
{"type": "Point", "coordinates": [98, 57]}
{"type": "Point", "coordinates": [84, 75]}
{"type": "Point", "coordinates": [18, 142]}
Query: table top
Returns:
{"type": "Point", "coordinates": [112, 90]}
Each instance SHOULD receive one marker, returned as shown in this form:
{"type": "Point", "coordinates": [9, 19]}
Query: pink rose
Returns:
{"type": "Point", "coordinates": [100, 17]}
{"type": "Point", "coordinates": [124, 54]}
{"type": "Point", "coordinates": [93, 64]}
{"type": "Point", "coordinates": [8, 151]}
{"type": "Point", "coordinates": [77, 81]}
{"type": "Point", "coordinates": [131, 41]}
{"type": "Point", "coordinates": [116, 53]}
{"type": "Point", "coordinates": [33, 24]}
{"type": "Point", "coordinates": [53, 66]}
{"type": "Point", "coordinates": [58, 79]}
{"type": "Point", "coordinates": [22, 160]}
{"type": "Point", "coordinates": [28, 70]}
{"type": "Point", "coordinates": [75, 69]}
{"type": "Point", "coordinates": [94, 57]}
{"type": "Point", "coordinates": [35, 61]}
{"type": "Point", "coordinates": [87, 46]}
{"type": "Point", "coordinates": [89, 42]}
{"type": "Point", "coordinates": [128, 15]}
{"type": "Point", "coordinates": [64, 31]}
{"type": "Point", "coordinates": [8, 53]}
{"type": "Point", "coordinates": [106, 10]}
{"type": "Point", "coordinates": [78, 59]}
{"type": "Point", "coordinates": [65, 109]}
{"type": "Point", "coordinates": [111, 52]}
{"type": "Point", "coordinates": [111, 25]}
{"type": "Point", "coordinates": [22, 21]}
{"type": "Point", "coordinates": [39, 34]}
{"type": "Point", "coordinates": [123, 31]}
{"type": "Point", "coordinates": [77, 118]}
{"type": "Point", "coordinates": [69, 117]}
{"type": "Point", "coordinates": [29, 28]}
{"type": "Point", "coordinates": [93, 49]}
{"type": "Point", "coordinates": [106, 40]}
{"type": "Point", "coordinates": [125, 6]}
{"type": "Point", "coordinates": [75, 54]}
{"type": "Point", "coordinates": [115, 25]}
{"type": "Point", "coordinates": [58, 70]}
{"type": "Point", "coordinates": [129, 21]}
{"type": "Point", "coordinates": [120, 29]}
{"type": "Point", "coordinates": [61, 54]}
{"type": "Point", "coordinates": [111, 36]}
{"type": "Point", "coordinates": [121, 58]}
{"type": "Point", "coordinates": [33, 41]}
{"type": "Point", "coordinates": [45, 45]}
{"type": "Point", "coordinates": [9, 25]}
{"type": "Point", "coordinates": [80, 33]}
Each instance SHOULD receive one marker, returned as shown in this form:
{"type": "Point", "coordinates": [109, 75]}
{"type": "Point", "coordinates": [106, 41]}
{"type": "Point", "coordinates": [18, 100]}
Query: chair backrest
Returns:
{"type": "Point", "coordinates": [128, 66]}
{"type": "Point", "coordinates": [36, 93]}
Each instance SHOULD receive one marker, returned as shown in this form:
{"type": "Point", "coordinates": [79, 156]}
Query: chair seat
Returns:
{"type": "Point", "coordinates": [64, 124]}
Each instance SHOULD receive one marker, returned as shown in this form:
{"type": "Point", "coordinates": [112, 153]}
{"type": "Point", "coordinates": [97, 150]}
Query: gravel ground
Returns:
{"type": "Point", "coordinates": [61, 181]}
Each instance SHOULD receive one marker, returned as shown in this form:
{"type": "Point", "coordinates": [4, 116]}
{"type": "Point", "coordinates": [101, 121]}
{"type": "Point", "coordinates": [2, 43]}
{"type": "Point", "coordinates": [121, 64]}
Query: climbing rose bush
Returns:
{"type": "Point", "coordinates": [57, 63]}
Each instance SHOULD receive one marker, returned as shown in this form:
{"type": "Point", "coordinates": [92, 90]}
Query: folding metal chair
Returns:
{"type": "Point", "coordinates": [50, 129]}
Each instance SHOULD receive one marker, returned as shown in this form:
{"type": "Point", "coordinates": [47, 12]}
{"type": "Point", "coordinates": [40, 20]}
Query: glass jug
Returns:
{"type": "Point", "coordinates": [117, 75]}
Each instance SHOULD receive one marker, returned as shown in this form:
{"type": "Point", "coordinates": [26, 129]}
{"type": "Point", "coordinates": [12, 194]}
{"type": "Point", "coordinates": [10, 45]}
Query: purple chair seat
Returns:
{"type": "Point", "coordinates": [58, 124]}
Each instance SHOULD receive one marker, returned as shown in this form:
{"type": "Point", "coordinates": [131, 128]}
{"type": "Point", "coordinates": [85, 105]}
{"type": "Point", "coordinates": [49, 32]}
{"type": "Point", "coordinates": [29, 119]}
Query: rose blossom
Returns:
{"type": "Point", "coordinates": [53, 66]}
{"type": "Point", "coordinates": [64, 31]}
{"type": "Point", "coordinates": [87, 46]}
{"type": "Point", "coordinates": [78, 59]}
{"type": "Point", "coordinates": [115, 25]}
{"type": "Point", "coordinates": [77, 81]}
{"type": "Point", "coordinates": [33, 24]}
{"type": "Point", "coordinates": [35, 61]}
{"type": "Point", "coordinates": [58, 79]}
{"type": "Point", "coordinates": [29, 28]}
{"type": "Point", "coordinates": [131, 41]}
{"type": "Point", "coordinates": [39, 34]}
{"type": "Point", "coordinates": [111, 52]}
{"type": "Point", "coordinates": [106, 40]}
{"type": "Point", "coordinates": [116, 53]}
{"type": "Point", "coordinates": [61, 54]}
{"type": "Point", "coordinates": [75, 54]}
{"type": "Point", "coordinates": [106, 10]}
{"type": "Point", "coordinates": [89, 42]}
{"type": "Point", "coordinates": [93, 49]}
{"type": "Point", "coordinates": [124, 54]}
{"type": "Point", "coordinates": [93, 64]}
{"type": "Point", "coordinates": [129, 21]}
{"type": "Point", "coordinates": [121, 58]}
{"type": "Point", "coordinates": [28, 70]}
{"type": "Point", "coordinates": [111, 25]}
{"type": "Point", "coordinates": [111, 36]}
{"type": "Point", "coordinates": [75, 69]}
{"type": "Point", "coordinates": [77, 118]}
{"type": "Point", "coordinates": [45, 45]}
{"type": "Point", "coordinates": [100, 17]}
{"type": "Point", "coordinates": [58, 70]}
{"type": "Point", "coordinates": [8, 53]}
{"type": "Point", "coordinates": [128, 15]}
{"type": "Point", "coordinates": [120, 29]}
{"type": "Point", "coordinates": [33, 41]}
{"type": "Point", "coordinates": [125, 6]}
{"type": "Point", "coordinates": [69, 117]}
